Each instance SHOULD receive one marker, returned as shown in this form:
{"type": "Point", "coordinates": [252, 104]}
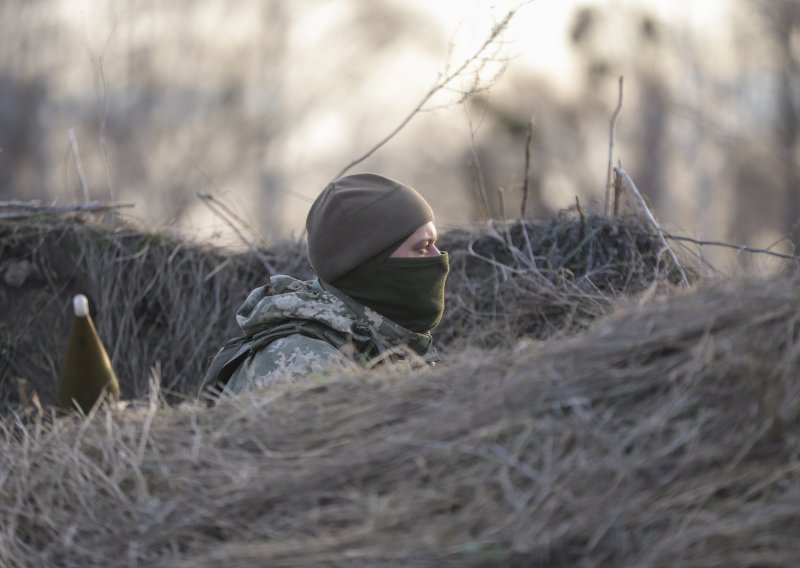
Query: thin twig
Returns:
{"type": "Point", "coordinates": [478, 196]}
{"type": "Point", "coordinates": [214, 205]}
{"type": "Point", "coordinates": [100, 79]}
{"type": "Point", "coordinates": [627, 182]}
{"type": "Point", "coordinates": [24, 210]}
{"type": "Point", "coordinates": [296, 194]}
{"type": "Point", "coordinates": [580, 211]}
{"type": "Point", "coordinates": [476, 162]}
{"type": "Point", "coordinates": [76, 157]}
{"type": "Point", "coordinates": [501, 195]}
{"type": "Point", "coordinates": [442, 82]}
{"type": "Point", "coordinates": [526, 184]}
{"type": "Point", "coordinates": [611, 132]}
{"type": "Point", "coordinates": [230, 212]}
{"type": "Point", "coordinates": [742, 248]}
{"type": "Point", "coordinates": [15, 204]}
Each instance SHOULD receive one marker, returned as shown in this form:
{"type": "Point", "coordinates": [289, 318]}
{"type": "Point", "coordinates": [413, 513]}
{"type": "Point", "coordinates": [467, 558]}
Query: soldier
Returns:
{"type": "Point", "coordinates": [379, 291]}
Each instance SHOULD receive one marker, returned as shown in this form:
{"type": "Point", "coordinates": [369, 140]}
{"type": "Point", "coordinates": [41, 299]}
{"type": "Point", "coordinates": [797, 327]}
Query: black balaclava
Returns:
{"type": "Point", "coordinates": [408, 291]}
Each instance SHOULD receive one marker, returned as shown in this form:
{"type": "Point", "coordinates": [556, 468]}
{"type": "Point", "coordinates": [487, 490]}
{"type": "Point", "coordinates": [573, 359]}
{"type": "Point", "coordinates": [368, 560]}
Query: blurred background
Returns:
{"type": "Point", "coordinates": [262, 102]}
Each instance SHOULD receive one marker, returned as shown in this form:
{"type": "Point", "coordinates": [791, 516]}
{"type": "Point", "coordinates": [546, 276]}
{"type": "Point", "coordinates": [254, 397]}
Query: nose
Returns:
{"type": "Point", "coordinates": [433, 251]}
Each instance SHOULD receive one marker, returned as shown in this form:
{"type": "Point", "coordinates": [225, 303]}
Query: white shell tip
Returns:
{"type": "Point", "coordinates": [81, 305]}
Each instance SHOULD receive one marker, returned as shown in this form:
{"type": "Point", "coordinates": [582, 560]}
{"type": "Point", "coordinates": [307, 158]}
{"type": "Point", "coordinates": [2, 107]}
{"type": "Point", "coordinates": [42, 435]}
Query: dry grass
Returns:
{"type": "Point", "coordinates": [162, 303]}
{"type": "Point", "coordinates": [664, 435]}
{"type": "Point", "coordinates": [542, 280]}
{"type": "Point", "coordinates": [157, 301]}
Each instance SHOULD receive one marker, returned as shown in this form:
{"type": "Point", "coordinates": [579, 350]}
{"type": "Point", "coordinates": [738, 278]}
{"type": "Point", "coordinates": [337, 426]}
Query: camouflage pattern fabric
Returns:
{"type": "Point", "coordinates": [352, 325]}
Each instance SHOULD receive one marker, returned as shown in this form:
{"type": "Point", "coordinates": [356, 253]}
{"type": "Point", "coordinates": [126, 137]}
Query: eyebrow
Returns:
{"type": "Point", "coordinates": [430, 238]}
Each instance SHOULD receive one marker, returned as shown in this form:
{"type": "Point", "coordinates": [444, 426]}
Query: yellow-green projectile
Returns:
{"type": "Point", "coordinates": [87, 372]}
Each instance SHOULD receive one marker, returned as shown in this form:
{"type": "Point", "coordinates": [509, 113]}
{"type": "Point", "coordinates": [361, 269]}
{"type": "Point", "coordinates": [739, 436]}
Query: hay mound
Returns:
{"type": "Point", "coordinates": [157, 301]}
{"type": "Point", "coordinates": [542, 280]}
{"type": "Point", "coordinates": [666, 435]}
{"type": "Point", "coordinates": [162, 303]}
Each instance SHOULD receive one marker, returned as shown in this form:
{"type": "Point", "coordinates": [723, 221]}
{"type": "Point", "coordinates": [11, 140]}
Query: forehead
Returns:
{"type": "Point", "coordinates": [425, 232]}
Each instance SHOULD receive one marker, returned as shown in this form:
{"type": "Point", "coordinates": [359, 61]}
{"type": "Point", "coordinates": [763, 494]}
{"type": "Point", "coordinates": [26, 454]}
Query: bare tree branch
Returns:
{"type": "Point", "coordinates": [479, 197]}
{"type": "Point", "coordinates": [477, 170]}
{"type": "Point", "coordinates": [617, 191]}
{"type": "Point", "coordinates": [76, 157]}
{"type": "Point", "coordinates": [442, 82]}
{"type": "Point", "coordinates": [526, 183]}
{"type": "Point", "coordinates": [101, 91]}
{"type": "Point", "coordinates": [27, 209]}
{"type": "Point", "coordinates": [628, 184]}
{"type": "Point", "coordinates": [231, 214]}
{"type": "Point", "coordinates": [222, 211]}
{"type": "Point", "coordinates": [501, 194]}
{"type": "Point", "coordinates": [743, 248]}
{"type": "Point", "coordinates": [611, 133]}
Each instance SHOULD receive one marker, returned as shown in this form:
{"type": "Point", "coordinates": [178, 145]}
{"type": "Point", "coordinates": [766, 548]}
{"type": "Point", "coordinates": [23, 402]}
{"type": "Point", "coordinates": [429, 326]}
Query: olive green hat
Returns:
{"type": "Point", "coordinates": [356, 217]}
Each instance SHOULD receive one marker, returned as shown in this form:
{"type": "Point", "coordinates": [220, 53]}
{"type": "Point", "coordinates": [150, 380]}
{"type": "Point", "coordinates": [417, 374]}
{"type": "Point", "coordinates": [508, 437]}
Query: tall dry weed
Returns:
{"type": "Point", "coordinates": [665, 435]}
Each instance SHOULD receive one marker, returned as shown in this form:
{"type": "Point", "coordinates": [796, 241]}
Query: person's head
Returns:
{"type": "Point", "coordinates": [374, 238]}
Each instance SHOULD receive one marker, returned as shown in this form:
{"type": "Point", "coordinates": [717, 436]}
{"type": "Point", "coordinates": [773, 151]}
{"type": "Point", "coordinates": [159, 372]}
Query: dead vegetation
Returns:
{"type": "Point", "coordinates": [545, 279]}
{"type": "Point", "coordinates": [157, 301]}
{"type": "Point", "coordinates": [666, 433]}
{"type": "Point", "coordinates": [162, 303]}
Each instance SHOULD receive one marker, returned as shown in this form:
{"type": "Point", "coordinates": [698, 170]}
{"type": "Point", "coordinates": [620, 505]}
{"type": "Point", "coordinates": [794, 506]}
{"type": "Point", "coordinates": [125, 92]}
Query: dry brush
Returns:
{"type": "Point", "coordinates": [664, 435]}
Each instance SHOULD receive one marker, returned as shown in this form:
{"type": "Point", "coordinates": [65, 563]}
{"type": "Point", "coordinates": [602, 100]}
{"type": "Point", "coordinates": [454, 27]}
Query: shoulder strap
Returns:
{"type": "Point", "coordinates": [236, 350]}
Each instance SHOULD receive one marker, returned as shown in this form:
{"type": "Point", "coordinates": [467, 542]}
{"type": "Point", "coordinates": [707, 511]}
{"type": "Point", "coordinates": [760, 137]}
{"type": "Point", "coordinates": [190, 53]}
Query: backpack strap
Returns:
{"type": "Point", "coordinates": [236, 350]}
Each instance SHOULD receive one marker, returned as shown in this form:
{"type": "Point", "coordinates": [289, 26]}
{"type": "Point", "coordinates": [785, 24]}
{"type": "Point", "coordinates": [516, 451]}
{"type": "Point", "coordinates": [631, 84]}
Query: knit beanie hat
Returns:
{"type": "Point", "coordinates": [358, 216]}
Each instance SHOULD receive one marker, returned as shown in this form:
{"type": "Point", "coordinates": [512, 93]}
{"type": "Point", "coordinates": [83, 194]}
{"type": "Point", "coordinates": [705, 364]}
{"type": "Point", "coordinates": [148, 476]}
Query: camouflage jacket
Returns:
{"type": "Point", "coordinates": [325, 330]}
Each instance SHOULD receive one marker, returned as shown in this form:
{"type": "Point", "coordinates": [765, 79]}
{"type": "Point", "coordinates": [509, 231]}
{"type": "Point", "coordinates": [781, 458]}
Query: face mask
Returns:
{"type": "Point", "coordinates": [408, 291]}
